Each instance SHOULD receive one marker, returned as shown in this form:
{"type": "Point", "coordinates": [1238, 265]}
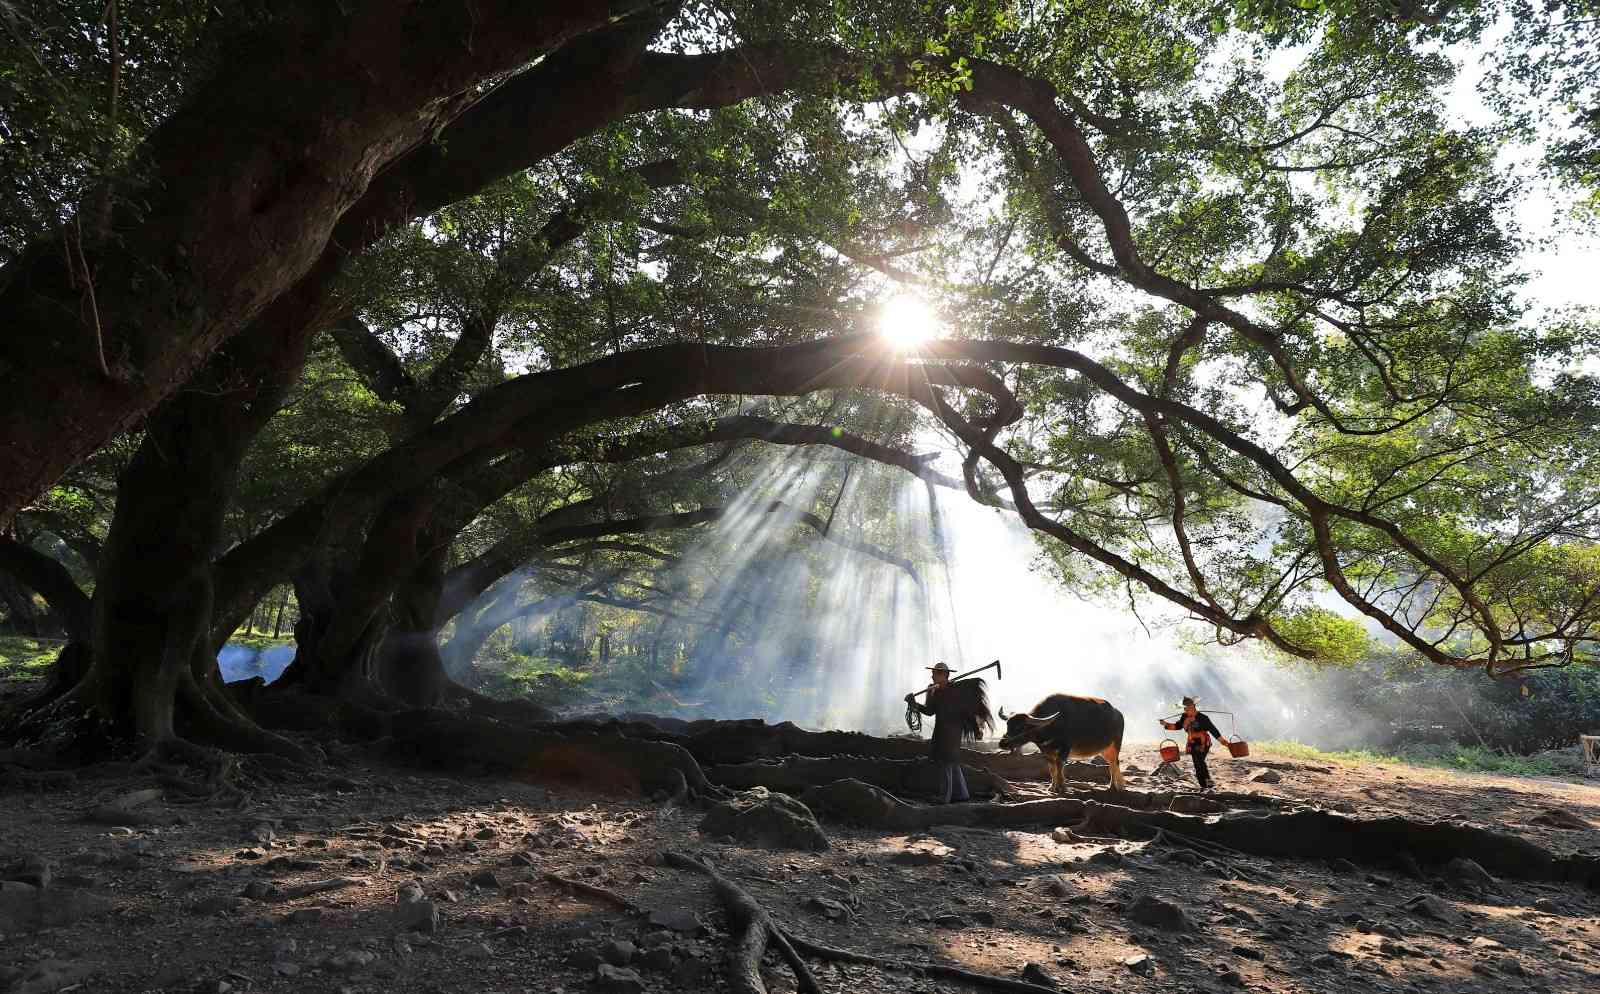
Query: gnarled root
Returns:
{"type": "Point", "coordinates": [754, 928]}
{"type": "Point", "coordinates": [795, 774]}
{"type": "Point", "coordinates": [442, 737]}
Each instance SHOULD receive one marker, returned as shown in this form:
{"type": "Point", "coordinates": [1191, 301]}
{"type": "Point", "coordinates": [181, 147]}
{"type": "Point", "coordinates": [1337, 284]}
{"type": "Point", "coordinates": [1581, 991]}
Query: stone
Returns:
{"type": "Point", "coordinates": [1233, 978]}
{"type": "Point", "coordinates": [983, 917]}
{"type": "Point", "coordinates": [1428, 906]}
{"type": "Point", "coordinates": [1247, 952]}
{"type": "Point", "coordinates": [1344, 866]}
{"type": "Point", "coordinates": [761, 817]}
{"type": "Point", "coordinates": [1141, 964]}
{"type": "Point", "coordinates": [1264, 775]}
{"type": "Point", "coordinates": [618, 952]}
{"type": "Point", "coordinates": [1033, 973]}
{"type": "Point", "coordinates": [414, 912]}
{"type": "Point", "coordinates": [1558, 818]}
{"type": "Point", "coordinates": [616, 980]}
{"type": "Point", "coordinates": [659, 958]}
{"type": "Point", "coordinates": [485, 833]}
{"type": "Point", "coordinates": [950, 921]}
{"type": "Point", "coordinates": [1162, 914]}
{"type": "Point", "coordinates": [1056, 885]}
{"type": "Point", "coordinates": [915, 857]}
{"type": "Point", "coordinates": [24, 907]}
{"type": "Point", "coordinates": [677, 919]}
{"type": "Point", "coordinates": [585, 958]}
{"type": "Point", "coordinates": [33, 870]}
{"type": "Point", "coordinates": [521, 859]}
{"type": "Point", "coordinates": [485, 879]}
{"type": "Point", "coordinates": [1469, 873]}
{"type": "Point", "coordinates": [305, 916]}
{"type": "Point", "coordinates": [827, 907]}
{"type": "Point", "coordinates": [1108, 857]}
{"type": "Point", "coordinates": [285, 968]}
{"type": "Point", "coordinates": [1547, 905]}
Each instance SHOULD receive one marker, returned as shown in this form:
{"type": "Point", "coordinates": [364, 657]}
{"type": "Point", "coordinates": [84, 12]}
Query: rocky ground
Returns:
{"type": "Point", "coordinates": [365, 878]}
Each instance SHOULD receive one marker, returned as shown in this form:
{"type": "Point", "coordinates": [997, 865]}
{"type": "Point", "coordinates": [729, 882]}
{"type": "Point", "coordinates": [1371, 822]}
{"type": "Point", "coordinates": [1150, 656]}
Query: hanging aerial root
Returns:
{"type": "Point", "coordinates": [754, 929]}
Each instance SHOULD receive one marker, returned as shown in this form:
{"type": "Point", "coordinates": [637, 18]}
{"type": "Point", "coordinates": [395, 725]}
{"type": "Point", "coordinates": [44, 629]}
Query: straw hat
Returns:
{"type": "Point", "coordinates": [940, 668]}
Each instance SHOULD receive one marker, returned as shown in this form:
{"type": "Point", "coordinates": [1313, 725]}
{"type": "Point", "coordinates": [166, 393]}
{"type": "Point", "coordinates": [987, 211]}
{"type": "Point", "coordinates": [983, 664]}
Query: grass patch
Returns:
{"type": "Point", "coordinates": [1451, 756]}
{"type": "Point", "coordinates": [23, 658]}
{"type": "Point", "coordinates": [258, 642]}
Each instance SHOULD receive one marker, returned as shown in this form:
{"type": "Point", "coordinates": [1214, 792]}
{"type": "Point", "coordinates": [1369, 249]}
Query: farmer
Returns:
{"type": "Point", "coordinates": [1199, 728]}
{"type": "Point", "coordinates": [959, 710]}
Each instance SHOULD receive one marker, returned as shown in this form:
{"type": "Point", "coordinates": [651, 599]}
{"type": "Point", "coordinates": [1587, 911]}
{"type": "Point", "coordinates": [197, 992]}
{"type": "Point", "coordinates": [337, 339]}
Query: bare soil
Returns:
{"type": "Point", "coordinates": [196, 894]}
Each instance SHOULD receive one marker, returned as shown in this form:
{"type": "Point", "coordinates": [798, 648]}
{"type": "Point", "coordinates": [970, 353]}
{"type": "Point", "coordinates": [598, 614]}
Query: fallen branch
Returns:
{"type": "Point", "coordinates": [755, 929]}
{"type": "Point", "coordinates": [796, 774]}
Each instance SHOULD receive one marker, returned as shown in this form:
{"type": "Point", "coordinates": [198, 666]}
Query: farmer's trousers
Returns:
{"type": "Point", "coordinates": [955, 783]}
{"type": "Point", "coordinates": [1201, 774]}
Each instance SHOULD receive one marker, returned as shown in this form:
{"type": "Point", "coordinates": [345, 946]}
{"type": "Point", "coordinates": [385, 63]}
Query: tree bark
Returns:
{"type": "Point", "coordinates": [272, 151]}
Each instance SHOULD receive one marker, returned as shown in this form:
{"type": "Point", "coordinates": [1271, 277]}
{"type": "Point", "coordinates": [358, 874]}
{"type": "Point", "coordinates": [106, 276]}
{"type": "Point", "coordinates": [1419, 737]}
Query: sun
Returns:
{"type": "Point", "coordinates": [907, 322]}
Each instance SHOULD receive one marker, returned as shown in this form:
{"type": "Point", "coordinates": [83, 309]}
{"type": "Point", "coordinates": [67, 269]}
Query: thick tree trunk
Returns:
{"type": "Point", "coordinates": [272, 151]}
{"type": "Point", "coordinates": [152, 674]}
{"type": "Point", "coordinates": [413, 667]}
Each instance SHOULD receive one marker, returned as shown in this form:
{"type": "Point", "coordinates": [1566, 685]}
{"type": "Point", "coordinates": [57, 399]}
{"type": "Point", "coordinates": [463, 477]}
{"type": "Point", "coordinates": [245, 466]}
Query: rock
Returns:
{"type": "Point", "coordinates": [1344, 866]}
{"type": "Point", "coordinates": [521, 859]}
{"type": "Point", "coordinates": [585, 958]}
{"type": "Point", "coordinates": [25, 908]}
{"type": "Point", "coordinates": [1558, 818]}
{"type": "Point", "coordinates": [485, 879]}
{"type": "Point", "coordinates": [851, 800]}
{"type": "Point", "coordinates": [828, 908]}
{"type": "Point", "coordinates": [950, 921]}
{"type": "Point", "coordinates": [983, 917]}
{"type": "Point", "coordinates": [616, 980]}
{"type": "Point", "coordinates": [1428, 906]}
{"type": "Point", "coordinates": [478, 950]}
{"type": "Point", "coordinates": [1265, 776]}
{"type": "Point", "coordinates": [249, 854]}
{"type": "Point", "coordinates": [766, 818]}
{"type": "Point", "coordinates": [1108, 857]}
{"type": "Point", "coordinates": [1327, 961]}
{"type": "Point", "coordinates": [284, 968]}
{"type": "Point", "coordinates": [1033, 973]}
{"type": "Point", "coordinates": [414, 912]}
{"type": "Point", "coordinates": [305, 916]}
{"type": "Point", "coordinates": [33, 870]}
{"type": "Point", "coordinates": [677, 919]}
{"type": "Point", "coordinates": [1141, 964]}
{"type": "Point", "coordinates": [1162, 914]}
{"type": "Point", "coordinates": [915, 857]}
{"type": "Point", "coordinates": [261, 832]}
{"type": "Point", "coordinates": [1056, 885]}
{"type": "Point", "coordinates": [618, 952]}
{"type": "Point", "coordinates": [1547, 905]}
{"type": "Point", "coordinates": [1233, 978]}
{"type": "Point", "coordinates": [1469, 873]}
{"type": "Point", "coordinates": [659, 958]}
{"type": "Point", "coordinates": [1247, 952]}
{"type": "Point", "coordinates": [485, 833]}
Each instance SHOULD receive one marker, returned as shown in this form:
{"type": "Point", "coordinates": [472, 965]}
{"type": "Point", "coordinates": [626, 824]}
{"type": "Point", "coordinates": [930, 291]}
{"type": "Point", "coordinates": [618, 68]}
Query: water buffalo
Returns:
{"type": "Point", "coordinates": [1067, 727]}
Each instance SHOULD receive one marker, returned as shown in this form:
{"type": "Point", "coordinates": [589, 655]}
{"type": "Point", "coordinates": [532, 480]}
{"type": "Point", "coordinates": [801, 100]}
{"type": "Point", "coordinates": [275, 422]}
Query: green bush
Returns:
{"type": "Point", "coordinates": [1447, 756]}
{"type": "Point", "coordinates": [24, 658]}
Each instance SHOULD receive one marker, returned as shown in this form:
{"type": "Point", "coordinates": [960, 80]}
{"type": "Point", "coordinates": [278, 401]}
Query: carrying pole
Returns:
{"type": "Point", "coordinates": [962, 676]}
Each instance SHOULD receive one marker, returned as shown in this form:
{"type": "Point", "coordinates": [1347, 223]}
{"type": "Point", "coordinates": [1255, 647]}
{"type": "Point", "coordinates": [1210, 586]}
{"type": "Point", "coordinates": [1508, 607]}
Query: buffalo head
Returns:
{"type": "Point", "coordinates": [1022, 729]}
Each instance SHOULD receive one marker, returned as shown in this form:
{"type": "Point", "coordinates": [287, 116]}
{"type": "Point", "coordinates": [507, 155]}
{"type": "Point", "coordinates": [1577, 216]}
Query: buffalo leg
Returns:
{"type": "Point", "coordinates": [1058, 783]}
{"type": "Point", "coordinates": [1111, 757]}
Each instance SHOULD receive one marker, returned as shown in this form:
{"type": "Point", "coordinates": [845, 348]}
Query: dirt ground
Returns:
{"type": "Point", "coordinates": [201, 898]}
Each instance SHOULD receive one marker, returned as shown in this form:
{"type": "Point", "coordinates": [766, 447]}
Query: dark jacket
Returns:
{"type": "Point", "coordinates": [945, 710]}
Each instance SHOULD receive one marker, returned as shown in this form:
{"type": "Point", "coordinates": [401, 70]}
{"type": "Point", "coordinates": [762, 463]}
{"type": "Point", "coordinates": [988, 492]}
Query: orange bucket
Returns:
{"type": "Point", "coordinates": [1238, 748]}
{"type": "Point", "coordinates": [1169, 753]}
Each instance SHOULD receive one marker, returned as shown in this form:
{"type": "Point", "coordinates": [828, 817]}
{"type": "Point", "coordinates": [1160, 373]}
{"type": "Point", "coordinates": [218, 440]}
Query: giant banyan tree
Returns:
{"type": "Point", "coordinates": [404, 309]}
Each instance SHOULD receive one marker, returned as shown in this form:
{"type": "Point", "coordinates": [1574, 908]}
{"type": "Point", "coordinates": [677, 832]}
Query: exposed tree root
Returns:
{"type": "Point", "coordinates": [1293, 834]}
{"type": "Point", "coordinates": [595, 891]}
{"type": "Point", "coordinates": [795, 774]}
{"type": "Point", "coordinates": [831, 954]}
{"type": "Point", "coordinates": [754, 928]}
{"type": "Point", "coordinates": [449, 739]}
